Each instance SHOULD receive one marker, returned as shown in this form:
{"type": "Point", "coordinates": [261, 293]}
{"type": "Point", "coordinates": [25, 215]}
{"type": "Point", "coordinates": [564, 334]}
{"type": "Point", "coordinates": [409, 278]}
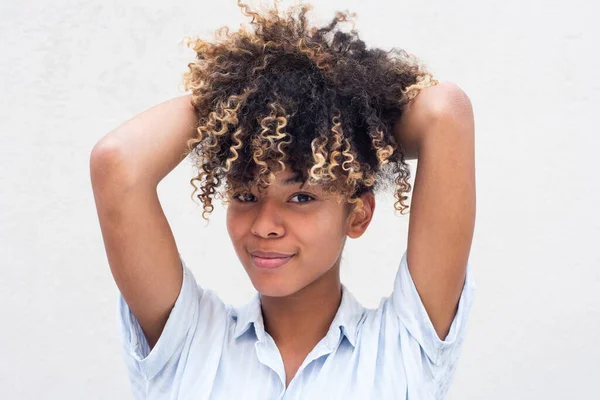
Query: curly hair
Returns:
{"type": "Point", "coordinates": [288, 94]}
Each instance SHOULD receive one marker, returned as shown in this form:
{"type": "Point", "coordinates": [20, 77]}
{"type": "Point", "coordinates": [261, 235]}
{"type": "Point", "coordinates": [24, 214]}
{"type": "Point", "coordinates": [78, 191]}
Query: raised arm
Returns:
{"type": "Point", "coordinates": [126, 167]}
{"type": "Point", "coordinates": [438, 129]}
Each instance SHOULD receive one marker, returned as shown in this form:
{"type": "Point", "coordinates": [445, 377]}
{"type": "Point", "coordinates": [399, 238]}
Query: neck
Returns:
{"type": "Point", "coordinates": [299, 321]}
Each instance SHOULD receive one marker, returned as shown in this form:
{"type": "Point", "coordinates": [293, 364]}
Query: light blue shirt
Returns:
{"type": "Point", "coordinates": [211, 350]}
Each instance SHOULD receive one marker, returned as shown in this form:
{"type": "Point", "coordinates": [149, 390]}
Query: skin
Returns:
{"type": "Point", "coordinates": [438, 127]}
{"type": "Point", "coordinates": [299, 299]}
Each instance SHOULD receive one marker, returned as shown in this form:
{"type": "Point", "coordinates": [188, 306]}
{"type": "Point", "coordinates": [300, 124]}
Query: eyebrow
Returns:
{"type": "Point", "coordinates": [293, 180]}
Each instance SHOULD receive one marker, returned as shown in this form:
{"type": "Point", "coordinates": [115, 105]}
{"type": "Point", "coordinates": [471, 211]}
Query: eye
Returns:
{"type": "Point", "coordinates": [303, 195]}
{"type": "Point", "coordinates": [244, 197]}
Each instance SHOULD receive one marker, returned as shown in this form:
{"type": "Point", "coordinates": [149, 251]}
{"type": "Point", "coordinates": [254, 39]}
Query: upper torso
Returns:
{"type": "Point", "coordinates": [212, 350]}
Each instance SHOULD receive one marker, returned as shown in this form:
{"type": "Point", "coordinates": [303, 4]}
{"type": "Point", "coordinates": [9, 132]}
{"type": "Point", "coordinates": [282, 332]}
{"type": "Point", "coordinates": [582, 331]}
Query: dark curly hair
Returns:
{"type": "Point", "coordinates": [287, 94]}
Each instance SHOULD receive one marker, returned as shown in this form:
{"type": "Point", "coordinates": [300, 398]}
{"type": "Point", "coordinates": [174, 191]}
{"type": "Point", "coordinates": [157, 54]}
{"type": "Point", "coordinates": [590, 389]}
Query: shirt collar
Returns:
{"type": "Point", "coordinates": [345, 321]}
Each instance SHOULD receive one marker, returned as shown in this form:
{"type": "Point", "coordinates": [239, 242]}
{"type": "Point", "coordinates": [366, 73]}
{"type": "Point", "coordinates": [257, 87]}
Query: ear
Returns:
{"type": "Point", "coordinates": [359, 220]}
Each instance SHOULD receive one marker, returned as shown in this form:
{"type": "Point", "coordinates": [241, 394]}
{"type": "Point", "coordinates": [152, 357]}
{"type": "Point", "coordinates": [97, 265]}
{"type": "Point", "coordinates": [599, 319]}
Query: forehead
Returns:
{"type": "Point", "coordinates": [289, 178]}
{"type": "Point", "coordinates": [286, 179]}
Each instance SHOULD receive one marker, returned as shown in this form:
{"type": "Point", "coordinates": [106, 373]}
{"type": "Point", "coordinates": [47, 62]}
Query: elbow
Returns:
{"type": "Point", "coordinates": [107, 164]}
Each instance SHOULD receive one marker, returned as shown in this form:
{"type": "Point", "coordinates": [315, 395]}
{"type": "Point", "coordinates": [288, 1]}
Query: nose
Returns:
{"type": "Point", "coordinates": [268, 221]}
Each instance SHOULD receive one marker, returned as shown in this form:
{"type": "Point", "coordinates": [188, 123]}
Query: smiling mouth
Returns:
{"type": "Point", "coordinates": [270, 263]}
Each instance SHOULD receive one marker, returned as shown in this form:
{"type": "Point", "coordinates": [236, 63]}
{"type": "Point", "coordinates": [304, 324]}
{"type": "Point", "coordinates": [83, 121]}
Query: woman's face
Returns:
{"type": "Point", "coordinates": [305, 223]}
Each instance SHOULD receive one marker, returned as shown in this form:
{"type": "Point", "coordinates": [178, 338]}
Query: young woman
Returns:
{"type": "Point", "coordinates": [294, 131]}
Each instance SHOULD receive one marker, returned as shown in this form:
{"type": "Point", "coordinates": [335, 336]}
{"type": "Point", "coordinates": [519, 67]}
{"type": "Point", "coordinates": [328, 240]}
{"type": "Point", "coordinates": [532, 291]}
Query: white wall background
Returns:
{"type": "Point", "coordinates": [71, 71]}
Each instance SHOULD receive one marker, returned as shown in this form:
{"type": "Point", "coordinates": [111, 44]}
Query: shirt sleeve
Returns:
{"type": "Point", "coordinates": [170, 351]}
{"type": "Point", "coordinates": [412, 314]}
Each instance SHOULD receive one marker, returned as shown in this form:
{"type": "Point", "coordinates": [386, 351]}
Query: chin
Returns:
{"type": "Point", "coordinates": [276, 283]}
{"type": "Point", "coordinates": [274, 286]}
{"type": "Point", "coordinates": [273, 289]}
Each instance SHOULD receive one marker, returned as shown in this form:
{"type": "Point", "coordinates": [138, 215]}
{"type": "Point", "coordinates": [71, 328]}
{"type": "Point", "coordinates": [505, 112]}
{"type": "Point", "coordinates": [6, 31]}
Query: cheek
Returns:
{"type": "Point", "coordinates": [236, 225]}
{"type": "Point", "coordinates": [321, 235]}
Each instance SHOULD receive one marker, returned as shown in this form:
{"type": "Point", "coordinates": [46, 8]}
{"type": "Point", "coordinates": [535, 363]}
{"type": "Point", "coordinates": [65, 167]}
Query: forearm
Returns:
{"type": "Point", "coordinates": [150, 145]}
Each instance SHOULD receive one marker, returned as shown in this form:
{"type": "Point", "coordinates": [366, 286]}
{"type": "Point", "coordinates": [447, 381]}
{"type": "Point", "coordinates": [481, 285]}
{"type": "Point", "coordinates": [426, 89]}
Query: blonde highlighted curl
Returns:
{"type": "Point", "coordinates": [315, 100]}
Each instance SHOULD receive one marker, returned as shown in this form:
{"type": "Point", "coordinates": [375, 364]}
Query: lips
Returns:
{"type": "Point", "coordinates": [269, 260]}
{"type": "Point", "coordinates": [269, 254]}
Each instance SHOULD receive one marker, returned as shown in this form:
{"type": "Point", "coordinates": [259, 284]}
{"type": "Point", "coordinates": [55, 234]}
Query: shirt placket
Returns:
{"type": "Point", "coordinates": [269, 355]}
